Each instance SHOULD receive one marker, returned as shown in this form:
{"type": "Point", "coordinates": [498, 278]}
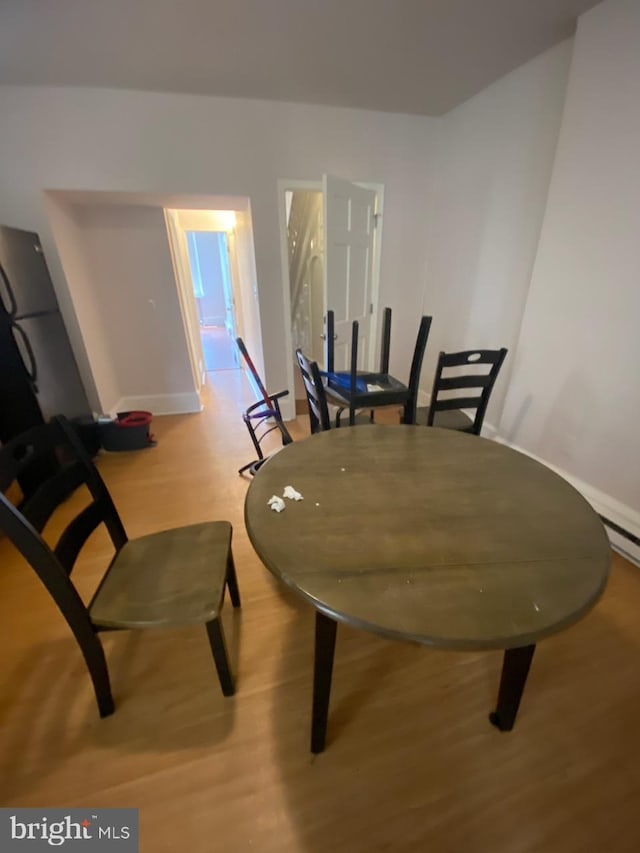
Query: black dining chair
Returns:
{"type": "Point", "coordinates": [319, 417]}
{"type": "Point", "coordinates": [355, 390]}
{"type": "Point", "coordinates": [171, 578]}
{"type": "Point", "coordinates": [457, 391]}
{"type": "Point", "coordinates": [262, 417]}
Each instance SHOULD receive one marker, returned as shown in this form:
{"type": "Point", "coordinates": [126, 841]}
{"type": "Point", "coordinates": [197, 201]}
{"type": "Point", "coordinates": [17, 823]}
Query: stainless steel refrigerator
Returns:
{"type": "Point", "coordinates": [39, 376]}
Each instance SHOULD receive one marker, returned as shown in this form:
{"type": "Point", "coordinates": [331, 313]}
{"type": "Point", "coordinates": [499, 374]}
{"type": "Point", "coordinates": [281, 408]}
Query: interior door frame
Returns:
{"type": "Point", "coordinates": [288, 404]}
{"type": "Point", "coordinates": [188, 309]}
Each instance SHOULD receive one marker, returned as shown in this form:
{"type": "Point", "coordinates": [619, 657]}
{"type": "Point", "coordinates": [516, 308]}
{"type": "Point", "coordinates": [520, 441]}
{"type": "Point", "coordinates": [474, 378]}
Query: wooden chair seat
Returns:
{"type": "Point", "coordinates": [452, 419]}
{"type": "Point", "coordinates": [171, 578]}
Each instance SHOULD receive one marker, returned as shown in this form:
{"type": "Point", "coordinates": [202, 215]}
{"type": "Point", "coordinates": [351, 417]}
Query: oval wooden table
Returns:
{"type": "Point", "coordinates": [431, 536]}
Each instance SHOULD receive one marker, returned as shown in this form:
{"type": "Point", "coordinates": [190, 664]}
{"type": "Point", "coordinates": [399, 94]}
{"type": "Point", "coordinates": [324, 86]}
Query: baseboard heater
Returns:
{"type": "Point", "coordinates": [626, 533]}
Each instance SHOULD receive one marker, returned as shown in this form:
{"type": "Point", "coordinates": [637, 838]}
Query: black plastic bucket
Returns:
{"type": "Point", "coordinates": [128, 431]}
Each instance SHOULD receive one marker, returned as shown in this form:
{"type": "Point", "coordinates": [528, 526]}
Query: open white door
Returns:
{"type": "Point", "coordinates": [349, 223]}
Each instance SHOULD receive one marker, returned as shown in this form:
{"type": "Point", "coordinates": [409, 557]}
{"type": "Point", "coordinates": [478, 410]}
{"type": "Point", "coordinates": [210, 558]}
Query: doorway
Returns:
{"type": "Point", "coordinates": [331, 239]}
{"type": "Point", "coordinates": [305, 245]}
{"type": "Point", "coordinates": [232, 229]}
{"type": "Point", "coordinates": [212, 290]}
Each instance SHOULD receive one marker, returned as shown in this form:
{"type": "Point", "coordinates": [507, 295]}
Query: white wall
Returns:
{"type": "Point", "coordinates": [120, 277]}
{"type": "Point", "coordinates": [210, 220]}
{"type": "Point", "coordinates": [127, 253]}
{"type": "Point", "coordinates": [574, 398]}
{"type": "Point", "coordinates": [96, 368]}
{"type": "Point", "coordinates": [81, 139]}
{"type": "Point", "coordinates": [497, 152]}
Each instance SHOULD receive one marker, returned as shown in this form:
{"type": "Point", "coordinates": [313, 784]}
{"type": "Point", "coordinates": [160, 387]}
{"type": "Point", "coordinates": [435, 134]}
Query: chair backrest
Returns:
{"type": "Point", "coordinates": [409, 415]}
{"type": "Point", "coordinates": [23, 520]}
{"type": "Point", "coordinates": [319, 419]}
{"type": "Point", "coordinates": [266, 412]}
{"type": "Point", "coordinates": [474, 387]}
{"type": "Point", "coordinates": [254, 373]}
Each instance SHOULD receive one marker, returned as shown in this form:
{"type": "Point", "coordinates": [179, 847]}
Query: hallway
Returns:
{"type": "Point", "coordinates": [219, 348]}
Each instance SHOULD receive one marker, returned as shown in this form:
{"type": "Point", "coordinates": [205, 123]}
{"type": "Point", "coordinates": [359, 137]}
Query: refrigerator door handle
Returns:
{"type": "Point", "coordinates": [30, 366]}
{"type": "Point", "coordinates": [10, 304]}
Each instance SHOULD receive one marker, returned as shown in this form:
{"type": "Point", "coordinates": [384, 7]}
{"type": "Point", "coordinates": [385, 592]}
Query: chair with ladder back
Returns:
{"type": "Point", "coordinates": [171, 578]}
{"type": "Point", "coordinates": [462, 387]}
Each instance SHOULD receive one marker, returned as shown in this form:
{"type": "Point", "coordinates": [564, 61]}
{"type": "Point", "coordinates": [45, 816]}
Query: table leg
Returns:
{"type": "Point", "coordinates": [322, 670]}
{"type": "Point", "coordinates": [515, 669]}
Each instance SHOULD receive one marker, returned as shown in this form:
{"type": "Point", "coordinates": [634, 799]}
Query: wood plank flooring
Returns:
{"type": "Point", "coordinates": [412, 763]}
{"type": "Point", "coordinates": [218, 348]}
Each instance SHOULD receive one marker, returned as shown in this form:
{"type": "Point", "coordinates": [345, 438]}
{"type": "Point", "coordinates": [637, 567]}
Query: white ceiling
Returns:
{"type": "Point", "coordinates": [411, 56]}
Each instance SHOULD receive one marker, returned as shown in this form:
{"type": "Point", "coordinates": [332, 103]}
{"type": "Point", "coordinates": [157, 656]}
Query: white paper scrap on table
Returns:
{"type": "Point", "coordinates": [290, 492]}
{"type": "Point", "coordinates": [276, 503]}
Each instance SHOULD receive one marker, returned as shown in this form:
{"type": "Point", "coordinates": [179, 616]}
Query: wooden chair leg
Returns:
{"type": "Point", "coordinates": [232, 581]}
{"type": "Point", "coordinates": [93, 653]}
{"type": "Point", "coordinates": [220, 656]}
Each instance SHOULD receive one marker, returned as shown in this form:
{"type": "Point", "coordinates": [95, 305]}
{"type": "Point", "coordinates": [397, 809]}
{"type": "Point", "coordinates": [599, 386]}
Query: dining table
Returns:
{"type": "Point", "coordinates": [430, 536]}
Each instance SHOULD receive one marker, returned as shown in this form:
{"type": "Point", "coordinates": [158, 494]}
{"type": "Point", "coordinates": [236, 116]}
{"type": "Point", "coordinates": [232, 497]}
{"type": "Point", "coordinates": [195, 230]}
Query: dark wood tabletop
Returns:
{"type": "Point", "coordinates": [432, 536]}
{"type": "Point", "coordinates": [429, 535]}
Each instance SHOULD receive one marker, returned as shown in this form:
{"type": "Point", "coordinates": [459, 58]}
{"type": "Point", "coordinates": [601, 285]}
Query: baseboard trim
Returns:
{"type": "Point", "coordinates": [185, 403]}
{"type": "Point", "coordinates": [608, 508]}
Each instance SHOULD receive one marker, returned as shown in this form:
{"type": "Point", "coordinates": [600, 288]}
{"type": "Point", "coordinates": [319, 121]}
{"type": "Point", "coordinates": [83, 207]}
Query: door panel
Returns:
{"type": "Point", "coordinates": [349, 220]}
{"type": "Point", "coordinates": [359, 289]}
{"type": "Point", "coordinates": [26, 270]}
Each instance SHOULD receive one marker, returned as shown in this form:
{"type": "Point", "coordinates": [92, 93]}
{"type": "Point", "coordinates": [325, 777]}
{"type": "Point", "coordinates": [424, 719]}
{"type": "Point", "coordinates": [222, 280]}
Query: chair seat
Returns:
{"type": "Point", "coordinates": [171, 578]}
{"type": "Point", "coordinates": [361, 418]}
{"type": "Point", "coordinates": [452, 419]}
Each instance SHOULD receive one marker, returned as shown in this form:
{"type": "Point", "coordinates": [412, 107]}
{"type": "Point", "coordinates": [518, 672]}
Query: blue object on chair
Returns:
{"type": "Point", "coordinates": [355, 389]}
{"type": "Point", "coordinates": [342, 380]}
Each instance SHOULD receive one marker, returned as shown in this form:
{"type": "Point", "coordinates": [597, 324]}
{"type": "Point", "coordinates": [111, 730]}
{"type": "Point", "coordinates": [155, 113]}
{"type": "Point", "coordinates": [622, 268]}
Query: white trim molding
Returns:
{"type": "Point", "coordinates": [607, 507]}
{"type": "Point", "coordinates": [184, 403]}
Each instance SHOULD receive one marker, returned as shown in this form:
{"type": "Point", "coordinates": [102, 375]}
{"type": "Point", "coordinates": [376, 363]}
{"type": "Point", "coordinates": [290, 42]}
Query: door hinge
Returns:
{"type": "Point", "coordinates": [371, 308]}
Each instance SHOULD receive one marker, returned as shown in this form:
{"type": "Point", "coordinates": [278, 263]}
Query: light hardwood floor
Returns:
{"type": "Point", "coordinates": [412, 763]}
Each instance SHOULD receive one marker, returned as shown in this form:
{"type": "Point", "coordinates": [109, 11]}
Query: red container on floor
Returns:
{"type": "Point", "coordinates": [129, 431]}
